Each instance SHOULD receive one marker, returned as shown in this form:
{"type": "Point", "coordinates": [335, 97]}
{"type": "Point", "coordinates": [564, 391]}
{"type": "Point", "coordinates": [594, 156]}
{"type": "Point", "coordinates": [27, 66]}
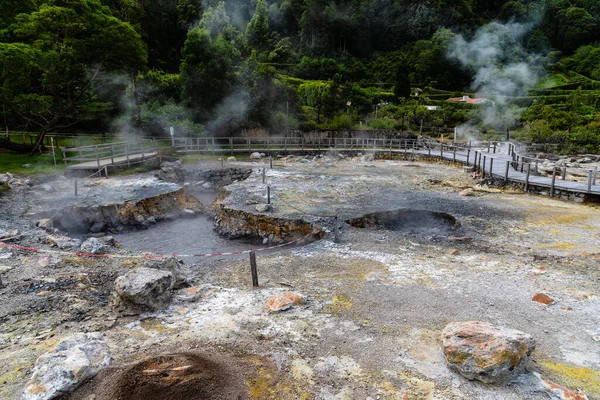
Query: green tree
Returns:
{"type": "Point", "coordinates": [576, 27]}
{"type": "Point", "coordinates": [207, 68]}
{"type": "Point", "coordinates": [257, 31]}
{"type": "Point", "coordinates": [402, 85]}
{"type": "Point", "coordinates": [77, 41]}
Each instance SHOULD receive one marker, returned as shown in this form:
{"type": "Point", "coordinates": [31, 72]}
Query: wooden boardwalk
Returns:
{"type": "Point", "coordinates": [503, 166]}
{"type": "Point", "coordinates": [122, 160]}
{"type": "Point", "coordinates": [496, 159]}
{"type": "Point", "coordinates": [99, 157]}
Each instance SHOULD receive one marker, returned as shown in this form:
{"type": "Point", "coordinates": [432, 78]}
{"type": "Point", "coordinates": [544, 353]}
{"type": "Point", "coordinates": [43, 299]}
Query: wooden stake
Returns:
{"type": "Point", "coordinates": [253, 269]}
{"type": "Point", "coordinates": [553, 182]}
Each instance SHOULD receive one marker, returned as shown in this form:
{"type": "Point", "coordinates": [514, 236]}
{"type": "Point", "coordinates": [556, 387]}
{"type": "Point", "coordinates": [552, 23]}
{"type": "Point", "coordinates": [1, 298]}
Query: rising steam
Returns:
{"type": "Point", "coordinates": [502, 69]}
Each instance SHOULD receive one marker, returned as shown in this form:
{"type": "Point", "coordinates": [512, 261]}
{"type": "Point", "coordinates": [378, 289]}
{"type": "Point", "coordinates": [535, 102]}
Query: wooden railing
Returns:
{"type": "Point", "coordinates": [115, 152]}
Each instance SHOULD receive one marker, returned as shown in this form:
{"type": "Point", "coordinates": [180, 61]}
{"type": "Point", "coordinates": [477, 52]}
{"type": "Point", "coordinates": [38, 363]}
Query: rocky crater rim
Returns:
{"type": "Point", "coordinates": [408, 220]}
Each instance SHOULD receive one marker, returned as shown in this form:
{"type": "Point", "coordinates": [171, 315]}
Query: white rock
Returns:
{"type": "Point", "coordinates": [263, 207]}
{"type": "Point", "coordinates": [367, 158]}
{"type": "Point", "coordinates": [145, 288]}
{"type": "Point", "coordinates": [231, 159]}
{"type": "Point", "coordinates": [74, 360]}
{"type": "Point", "coordinates": [255, 156]}
{"type": "Point", "coordinates": [64, 242]}
{"type": "Point", "coordinates": [93, 246]}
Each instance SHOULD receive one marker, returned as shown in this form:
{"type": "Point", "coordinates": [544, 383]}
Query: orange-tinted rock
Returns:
{"type": "Point", "coordinates": [558, 391]}
{"type": "Point", "coordinates": [542, 299]}
{"type": "Point", "coordinates": [482, 351]}
{"type": "Point", "coordinates": [454, 252]}
{"type": "Point", "coordinates": [284, 301]}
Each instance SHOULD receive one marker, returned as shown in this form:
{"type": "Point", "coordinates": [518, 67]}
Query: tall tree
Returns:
{"type": "Point", "coordinates": [73, 42]}
{"type": "Point", "coordinates": [257, 31]}
{"type": "Point", "coordinates": [208, 59]}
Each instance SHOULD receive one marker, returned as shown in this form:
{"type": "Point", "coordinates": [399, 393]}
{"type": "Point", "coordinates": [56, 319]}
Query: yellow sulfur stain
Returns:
{"type": "Point", "coordinates": [341, 303]}
{"type": "Point", "coordinates": [155, 325]}
{"type": "Point", "coordinates": [574, 377]}
{"type": "Point", "coordinates": [557, 246]}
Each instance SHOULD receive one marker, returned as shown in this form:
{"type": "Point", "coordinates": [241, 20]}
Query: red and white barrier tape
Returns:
{"type": "Point", "coordinates": [146, 255]}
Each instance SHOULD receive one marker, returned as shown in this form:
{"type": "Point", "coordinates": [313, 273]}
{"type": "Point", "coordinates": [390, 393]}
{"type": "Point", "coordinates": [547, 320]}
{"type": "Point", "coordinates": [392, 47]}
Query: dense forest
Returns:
{"type": "Point", "coordinates": [223, 67]}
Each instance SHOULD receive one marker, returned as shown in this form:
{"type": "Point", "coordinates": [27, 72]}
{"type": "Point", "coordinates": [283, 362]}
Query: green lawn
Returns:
{"type": "Point", "coordinates": [30, 165]}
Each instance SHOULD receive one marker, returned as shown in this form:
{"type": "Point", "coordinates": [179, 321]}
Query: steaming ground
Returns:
{"type": "Point", "coordinates": [377, 301]}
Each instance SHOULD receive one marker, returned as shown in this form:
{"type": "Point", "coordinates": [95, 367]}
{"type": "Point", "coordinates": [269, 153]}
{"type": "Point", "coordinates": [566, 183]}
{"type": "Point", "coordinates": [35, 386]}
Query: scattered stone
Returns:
{"type": "Point", "coordinates": [8, 234]}
{"type": "Point", "coordinates": [454, 252]}
{"type": "Point", "coordinates": [466, 192]}
{"type": "Point", "coordinates": [74, 360]}
{"type": "Point", "coordinates": [47, 188]}
{"type": "Point", "coordinates": [254, 199]}
{"type": "Point", "coordinates": [45, 223]}
{"type": "Point", "coordinates": [263, 207]}
{"type": "Point", "coordinates": [231, 159]}
{"type": "Point", "coordinates": [144, 288]}
{"type": "Point", "coordinates": [461, 239]}
{"type": "Point", "coordinates": [6, 268]}
{"type": "Point", "coordinates": [556, 391]}
{"type": "Point", "coordinates": [93, 246]}
{"type": "Point", "coordinates": [482, 351]}
{"type": "Point", "coordinates": [206, 185]}
{"type": "Point", "coordinates": [64, 242]}
{"type": "Point", "coordinates": [284, 301]}
{"type": "Point", "coordinates": [171, 172]}
{"type": "Point", "coordinates": [255, 156]}
{"type": "Point", "coordinates": [26, 165]}
{"type": "Point", "coordinates": [367, 158]}
{"type": "Point", "coordinates": [543, 299]}
{"type": "Point", "coordinates": [434, 181]}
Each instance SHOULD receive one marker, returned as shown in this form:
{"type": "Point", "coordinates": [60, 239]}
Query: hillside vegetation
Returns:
{"type": "Point", "coordinates": [225, 67]}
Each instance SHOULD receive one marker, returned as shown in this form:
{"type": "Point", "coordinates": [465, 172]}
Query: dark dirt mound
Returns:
{"type": "Point", "coordinates": [180, 376]}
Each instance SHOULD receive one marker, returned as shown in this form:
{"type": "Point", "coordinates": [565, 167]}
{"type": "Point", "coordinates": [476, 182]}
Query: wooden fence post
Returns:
{"type": "Point", "coordinates": [506, 171]}
{"type": "Point", "coordinates": [553, 182]}
{"type": "Point", "coordinates": [483, 171]}
{"type": "Point", "coordinates": [253, 269]}
{"type": "Point", "coordinates": [527, 178]}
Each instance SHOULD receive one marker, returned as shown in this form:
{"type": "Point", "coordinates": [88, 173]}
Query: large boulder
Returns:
{"type": "Point", "coordinates": [255, 156]}
{"type": "Point", "coordinates": [144, 288]}
{"type": "Point", "coordinates": [488, 353]}
{"type": "Point", "coordinates": [171, 265]}
{"type": "Point", "coordinates": [171, 172]}
{"type": "Point", "coordinates": [74, 360]}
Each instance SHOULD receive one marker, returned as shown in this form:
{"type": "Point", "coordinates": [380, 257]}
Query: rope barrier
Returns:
{"type": "Point", "coordinates": [146, 255]}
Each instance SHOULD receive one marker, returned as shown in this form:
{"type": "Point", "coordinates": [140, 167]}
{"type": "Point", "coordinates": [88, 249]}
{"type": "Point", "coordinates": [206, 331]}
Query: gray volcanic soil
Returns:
{"type": "Point", "coordinates": [377, 301]}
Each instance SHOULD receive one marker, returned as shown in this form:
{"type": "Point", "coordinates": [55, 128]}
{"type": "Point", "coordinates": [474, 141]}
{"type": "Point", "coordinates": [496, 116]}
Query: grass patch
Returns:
{"type": "Point", "coordinates": [25, 164]}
